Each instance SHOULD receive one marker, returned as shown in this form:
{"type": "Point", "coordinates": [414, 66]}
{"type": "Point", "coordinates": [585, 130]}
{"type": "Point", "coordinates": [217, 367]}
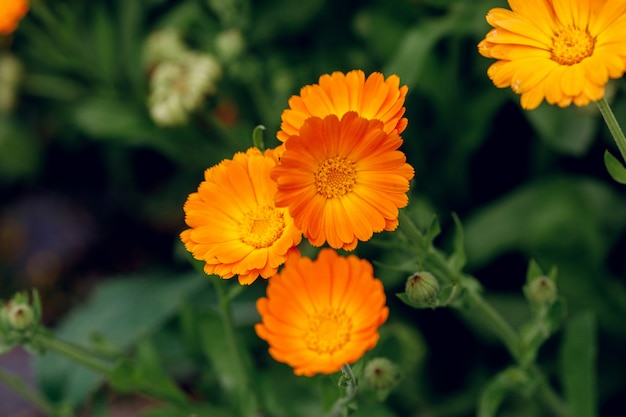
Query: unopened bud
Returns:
{"type": "Point", "coordinates": [422, 287]}
{"type": "Point", "coordinates": [229, 44]}
{"type": "Point", "coordinates": [541, 290]}
{"type": "Point", "coordinates": [18, 316]}
{"type": "Point", "coordinates": [381, 374]}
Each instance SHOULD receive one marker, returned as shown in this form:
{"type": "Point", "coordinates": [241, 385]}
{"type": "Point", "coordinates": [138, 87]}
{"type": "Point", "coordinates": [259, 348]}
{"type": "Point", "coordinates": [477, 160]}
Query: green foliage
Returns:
{"type": "Point", "coordinates": [523, 185]}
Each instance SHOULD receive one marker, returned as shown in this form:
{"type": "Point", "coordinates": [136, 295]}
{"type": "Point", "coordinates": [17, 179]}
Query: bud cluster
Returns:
{"type": "Point", "coordinates": [180, 78]}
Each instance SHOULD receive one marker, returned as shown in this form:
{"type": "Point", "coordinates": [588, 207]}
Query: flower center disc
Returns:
{"type": "Point", "coordinates": [262, 227]}
{"type": "Point", "coordinates": [335, 177]}
{"type": "Point", "coordinates": [327, 331]}
{"type": "Point", "coordinates": [571, 45]}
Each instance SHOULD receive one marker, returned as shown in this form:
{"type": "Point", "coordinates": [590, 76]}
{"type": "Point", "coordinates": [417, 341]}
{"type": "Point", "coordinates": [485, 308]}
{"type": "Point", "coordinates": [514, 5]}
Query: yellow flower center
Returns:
{"type": "Point", "coordinates": [335, 177]}
{"type": "Point", "coordinates": [571, 45]}
{"type": "Point", "coordinates": [262, 227]}
{"type": "Point", "coordinates": [328, 331]}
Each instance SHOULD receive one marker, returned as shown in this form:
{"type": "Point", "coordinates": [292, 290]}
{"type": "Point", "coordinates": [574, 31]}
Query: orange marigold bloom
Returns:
{"type": "Point", "coordinates": [235, 228]}
{"type": "Point", "coordinates": [371, 98]}
{"type": "Point", "coordinates": [563, 51]}
{"type": "Point", "coordinates": [320, 315]}
{"type": "Point", "coordinates": [343, 179]}
{"type": "Point", "coordinates": [11, 11]}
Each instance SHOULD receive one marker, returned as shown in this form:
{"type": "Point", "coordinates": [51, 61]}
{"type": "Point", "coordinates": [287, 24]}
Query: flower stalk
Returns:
{"type": "Point", "coordinates": [613, 125]}
{"type": "Point", "coordinates": [434, 260]}
{"type": "Point", "coordinates": [247, 397]}
{"type": "Point", "coordinates": [351, 390]}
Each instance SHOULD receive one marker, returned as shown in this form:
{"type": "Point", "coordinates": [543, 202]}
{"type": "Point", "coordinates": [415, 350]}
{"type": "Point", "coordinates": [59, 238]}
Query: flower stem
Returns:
{"type": "Point", "coordinates": [351, 389]}
{"type": "Point", "coordinates": [18, 386]}
{"type": "Point", "coordinates": [434, 260]}
{"type": "Point", "coordinates": [498, 324]}
{"type": "Point", "coordinates": [613, 125]}
{"type": "Point", "coordinates": [74, 353]}
{"type": "Point", "coordinates": [248, 399]}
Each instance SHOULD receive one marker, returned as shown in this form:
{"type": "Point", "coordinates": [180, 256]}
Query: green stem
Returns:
{"type": "Point", "coordinates": [435, 261]}
{"type": "Point", "coordinates": [497, 322]}
{"type": "Point", "coordinates": [74, 353]}
{"type": "Point", "coordinates": [338, 408]}
{"type": "Point", "coordinates": [613, 125]}
{"type": "Point", "coordinates": [18, 386]}
{"type": "Point", "coordinates": [548, 395]}
{"type": "Point", "coordinates": [248, 398]}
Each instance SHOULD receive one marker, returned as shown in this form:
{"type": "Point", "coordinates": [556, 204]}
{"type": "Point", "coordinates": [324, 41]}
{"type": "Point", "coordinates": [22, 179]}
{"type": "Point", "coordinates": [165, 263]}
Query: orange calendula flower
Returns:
{"type": "Point", "coordinates": [320, 315]}
{"type": "Point", "coordinates": [235, 228]}
{"type": "Point", "coordinates": [338, 93]}
{"type": "Point", "coordinates": [563, 51]}
{"type": "Point", "coordinates": [343, 179]}
{"type": "Point", "coordinates": [11, 11]}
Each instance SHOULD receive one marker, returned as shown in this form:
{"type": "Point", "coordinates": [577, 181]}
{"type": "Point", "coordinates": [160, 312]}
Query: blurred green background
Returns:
{"type": "Point", "coordinates": [92, 185]}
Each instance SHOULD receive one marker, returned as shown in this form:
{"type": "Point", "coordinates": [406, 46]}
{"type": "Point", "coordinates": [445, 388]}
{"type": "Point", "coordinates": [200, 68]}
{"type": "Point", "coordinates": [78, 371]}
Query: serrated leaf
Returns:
{"type": "Point", "coordinates": [615, 168]}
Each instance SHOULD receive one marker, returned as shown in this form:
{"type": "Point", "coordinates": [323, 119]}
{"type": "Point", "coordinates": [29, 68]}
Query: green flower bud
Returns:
{"type": "Point", "coordinates": [381, 375]}
{"type": "Point", "coordinates": [229, 44]}
{"type": "Point", "coordinates": [541, 290]}
{"type": "Point", "coordinates": [422, 287]}
{"type": "Point", "coordinates": [18, 316]}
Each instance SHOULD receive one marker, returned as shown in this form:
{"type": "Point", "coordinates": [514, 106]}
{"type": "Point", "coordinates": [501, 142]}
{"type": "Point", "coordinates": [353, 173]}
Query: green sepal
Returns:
{"type": "Point", "coordinates": [257, 137]}
{"type": "Point", "coordinates": [458, 258]}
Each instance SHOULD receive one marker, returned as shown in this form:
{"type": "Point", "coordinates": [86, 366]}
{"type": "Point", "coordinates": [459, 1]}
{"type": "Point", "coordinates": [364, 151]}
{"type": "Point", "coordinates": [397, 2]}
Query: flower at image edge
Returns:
{"type": "Point", "coordinates": [11, 11]}
{"type": "Point", "coordinates": [338, 93]}
{"type": "Point", "coordinates": [320, 315]}
{"type": "Point", "coordinates": [235, 228]}
{"type": "Point", "coordinates": [342, 180]}
{"type": "Point", "coordinates": [563, 51]}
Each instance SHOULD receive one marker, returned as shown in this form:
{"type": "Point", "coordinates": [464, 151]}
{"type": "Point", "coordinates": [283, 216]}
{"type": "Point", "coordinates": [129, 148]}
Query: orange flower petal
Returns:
{"type": "Point", "coordinates": [235, 227]}
{"type": "Point", "coordinates": [563, 51]}
{"type": "Point", "coordinates": [320, 315]}
{"type": "Point", "coordinates": [342, 179]}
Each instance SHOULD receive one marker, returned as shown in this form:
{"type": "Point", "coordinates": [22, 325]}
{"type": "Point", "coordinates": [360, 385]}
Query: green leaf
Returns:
{"type": "Point", "coordinates": [434, 229]}
{"type": "Point", "coordinates": [195, 410]}
{"type": "Point", "coordinates": [511, 379]}
{"type": "Point", "coordinates": [578, 365]}
{"type": "Point", "coordinates": [410, 58]}
{"type": "Point", "coordinates": [145, 373]}
{"type": "Point", "coordinates": [120, 311]}
{"type": "Point", "coordinates": [616, 169]}
{"type": "Point", "coordinates": [457, 259]}
{"type": "Point", "coordinates": [569, 130]}
{"type": "Point", "coordinates": [20, 153]}
{"type": "Point", "coordinates": [112, 118]}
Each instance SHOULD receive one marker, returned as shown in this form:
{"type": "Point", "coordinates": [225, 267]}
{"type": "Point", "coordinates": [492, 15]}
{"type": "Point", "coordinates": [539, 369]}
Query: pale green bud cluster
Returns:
{"type": "Point", "coordinates": [181, 79]}
{"type": "Point", "coordinates": [10, 76]}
